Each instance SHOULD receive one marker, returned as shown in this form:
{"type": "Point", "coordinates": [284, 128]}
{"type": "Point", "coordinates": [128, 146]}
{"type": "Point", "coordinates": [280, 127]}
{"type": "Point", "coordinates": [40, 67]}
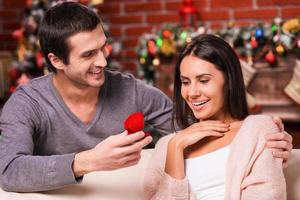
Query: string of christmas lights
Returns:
{"type": "Point", "coordinates": [256, 43]}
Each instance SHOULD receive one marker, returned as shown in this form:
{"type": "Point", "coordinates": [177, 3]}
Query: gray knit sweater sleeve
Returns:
{"type": "Point", "coordinates": [156, 106]}
{"type": "Point", "coordinates": [20, 169]}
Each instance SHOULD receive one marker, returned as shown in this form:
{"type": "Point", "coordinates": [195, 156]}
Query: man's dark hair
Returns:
{"type": "Point", "coordinates": [216, 51]}
{"type": "Point", "coordinates": [59, 23]}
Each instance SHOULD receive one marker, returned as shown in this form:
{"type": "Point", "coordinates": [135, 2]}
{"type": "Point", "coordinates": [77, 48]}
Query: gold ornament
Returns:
{"type": "Point", "coordinates": [142, 60]}
{"type": "Point", "coordinates": [280, 49]}
{"type": "Point", "coordinates": [21, 53]}
{"type": "Point", "coordinates": [155, 62]}
{"type": "Point", "coordinates": [188, 40]}
{"type": "Point", "coordinates": [292, 25]}
{"type": "Point", "coordinates": [168, 47]}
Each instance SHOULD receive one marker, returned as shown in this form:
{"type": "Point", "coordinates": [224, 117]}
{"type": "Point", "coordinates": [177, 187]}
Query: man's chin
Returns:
{"type": "Point", "coordinates": [97, 83]}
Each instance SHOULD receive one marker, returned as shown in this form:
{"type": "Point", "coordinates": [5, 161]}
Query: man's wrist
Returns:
{"type": "Point", "coordinates": [81, 164]}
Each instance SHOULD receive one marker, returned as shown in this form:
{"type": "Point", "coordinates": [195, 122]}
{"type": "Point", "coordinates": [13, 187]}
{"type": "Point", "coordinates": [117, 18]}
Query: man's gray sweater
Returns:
{"type": "Point", "coordinates": [40, 135]}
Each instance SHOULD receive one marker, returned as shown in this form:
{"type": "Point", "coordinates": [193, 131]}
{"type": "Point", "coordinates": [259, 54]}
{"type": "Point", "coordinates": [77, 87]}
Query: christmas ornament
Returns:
{"type": "Point", "coordinates": [276, 38]}
{"type": "Point", "coordinates": [167, 34]}
{"type": "Point", "coordinates": [253, 42]}
{"type": "Point", "coordinates": [256, 43]}
{"type": "Point", "coordinates": [39, 59]}
{"type": "Point", "coordinates": [280, 49]}
{"type": "Point", "coordinates": [292, 25]}
{"type": "Point", "coordinates": [188, 13]}
{"type": "Point", "coordinates": [155, 62]}
{"type": "Point", "coordinates": [286, 41]}
{"type": "Point", "coordinates": [270, 58]}
{"type": "Point", "coordinates": [12, 89]}
{"type": "Point", "coordinates": [23, 79]}
{"type": "Point", "coordinates": [259, 33]}
{"type": "Point", "coordinates": [274, 28]}
{"type": "Point", "coordinates": [28, 3]}
{"type": "Point", "coordinates": [84, 1]}
{"type": "Point", "coordinates": [18, 34]}
{"type": "Point", "coordinates": [14, 73]}
{"type": "Point", "coordinates": [151, 47]}
{"type": "Point", "coordinates": [168, 47]}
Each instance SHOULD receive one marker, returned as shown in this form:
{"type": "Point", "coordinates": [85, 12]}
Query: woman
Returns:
{"type": "Point", "coordinates": [220, 151]}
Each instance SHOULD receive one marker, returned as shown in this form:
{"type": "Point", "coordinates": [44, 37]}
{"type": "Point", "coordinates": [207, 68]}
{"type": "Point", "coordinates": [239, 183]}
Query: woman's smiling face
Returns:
{"type": "Point", "coordinates": [202, 87]}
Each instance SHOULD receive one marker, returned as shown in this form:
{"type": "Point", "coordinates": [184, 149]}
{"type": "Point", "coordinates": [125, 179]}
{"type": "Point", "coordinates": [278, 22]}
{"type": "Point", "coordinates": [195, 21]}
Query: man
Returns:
{"type": "Point", "coordinates": [64, 125]}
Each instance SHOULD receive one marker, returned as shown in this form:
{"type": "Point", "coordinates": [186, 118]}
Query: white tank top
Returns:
{"type": "Point", "coordinates": [206, 174]}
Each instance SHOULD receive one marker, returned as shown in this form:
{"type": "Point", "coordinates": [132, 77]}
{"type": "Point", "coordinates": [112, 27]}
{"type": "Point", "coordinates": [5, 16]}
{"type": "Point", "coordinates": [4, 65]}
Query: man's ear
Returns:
{"type": "Point", "coordinates": [55, 61]}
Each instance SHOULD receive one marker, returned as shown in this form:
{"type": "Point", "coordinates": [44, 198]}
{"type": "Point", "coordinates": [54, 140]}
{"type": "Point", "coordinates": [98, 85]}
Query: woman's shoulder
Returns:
{"type": "Point", "coordinates": [259, 117]}
{"type": "Point", "coordinates": [262, 123]}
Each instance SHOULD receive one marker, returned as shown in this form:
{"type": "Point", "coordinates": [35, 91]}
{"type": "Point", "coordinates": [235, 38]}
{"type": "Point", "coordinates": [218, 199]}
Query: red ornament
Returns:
{"type": "Point", "coordinates": [12, 89]}
{"type": "Point", "coordinates": [29, 3]}
{"type": "Point", "coordinates": [84, 1]}
{"type": "Point", "coordinates": [14, 73]}
{"type": "Point", "coordinates": [188, 13]}
{"type": "Point", "coordinates": [151, 47]}
{"type": "Point", "coordinates": [270, 58]}
{"type": "Point", "coordinates": [135, 123]}
{"type": "Point", "coordinates": [253, 43]}
{"type": "Point", "coordinates": [39, 59]}
{"type": "Point", "coordinates": [23, 79]}
{"type": "Point", "coordinates": [167, 34]}
{"type": "Point", "coordinates": [18, 34]}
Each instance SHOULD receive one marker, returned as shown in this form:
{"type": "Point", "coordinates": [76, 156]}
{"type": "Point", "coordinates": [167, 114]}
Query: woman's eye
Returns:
{"type": "Point", "coordinates": [204, 81]}
{"type": "Point", "coordinates": [184, 82]}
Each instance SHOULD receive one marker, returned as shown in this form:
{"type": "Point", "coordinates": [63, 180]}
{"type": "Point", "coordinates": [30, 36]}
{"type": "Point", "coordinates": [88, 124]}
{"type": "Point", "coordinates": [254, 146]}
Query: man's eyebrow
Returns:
{"type": "Point", "coordinates": [91, 50]}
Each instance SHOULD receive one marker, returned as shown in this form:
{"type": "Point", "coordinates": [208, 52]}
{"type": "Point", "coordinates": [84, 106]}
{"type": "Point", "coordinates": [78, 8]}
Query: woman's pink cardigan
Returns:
{"type": "Point", "coordinates": [252, 173]}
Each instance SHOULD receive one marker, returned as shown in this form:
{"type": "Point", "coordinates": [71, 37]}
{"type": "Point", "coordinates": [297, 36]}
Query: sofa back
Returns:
{"type": "Point", "coordinates": [292, 175]}
{"type": "Point", "coordinates": [126, 184]}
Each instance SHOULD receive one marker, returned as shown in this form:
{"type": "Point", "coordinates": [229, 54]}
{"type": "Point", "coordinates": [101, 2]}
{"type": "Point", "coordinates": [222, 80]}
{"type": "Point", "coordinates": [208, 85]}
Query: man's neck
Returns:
{"type": "Point", "coordinates": [74, 93]}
